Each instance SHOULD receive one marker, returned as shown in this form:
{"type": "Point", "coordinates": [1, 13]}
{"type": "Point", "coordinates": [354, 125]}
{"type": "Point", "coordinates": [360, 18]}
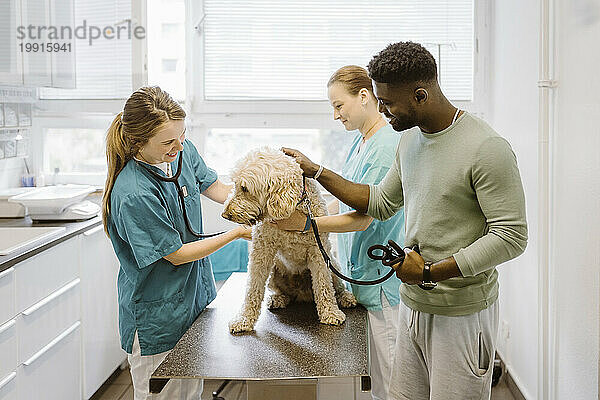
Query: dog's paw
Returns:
{"type": "Point", "coordinates": [335, 317]}
{"type": "Point", "coordinates": [278, 301]}
{"type": "Point", "coordinates": [346, 299]}
{"type": "Point", "coordinates": [240, 324]}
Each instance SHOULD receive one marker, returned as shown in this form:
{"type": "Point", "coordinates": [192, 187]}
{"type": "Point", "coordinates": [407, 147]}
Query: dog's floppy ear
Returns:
{"type": "Point", "coordinates": [283, 196]}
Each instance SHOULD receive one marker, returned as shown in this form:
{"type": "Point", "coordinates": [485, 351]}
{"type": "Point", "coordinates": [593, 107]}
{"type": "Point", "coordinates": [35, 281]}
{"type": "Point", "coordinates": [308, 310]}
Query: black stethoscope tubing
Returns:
{"type": "Point", "coordinates": [181, 193]}
{"type": "Point", "coordinates": [391, 254]}
{"type": "Point", "coordinates": [326, 258]}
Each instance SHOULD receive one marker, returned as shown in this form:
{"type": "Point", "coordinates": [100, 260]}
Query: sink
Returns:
{"type": "Point", "coordinates": [15, 238]}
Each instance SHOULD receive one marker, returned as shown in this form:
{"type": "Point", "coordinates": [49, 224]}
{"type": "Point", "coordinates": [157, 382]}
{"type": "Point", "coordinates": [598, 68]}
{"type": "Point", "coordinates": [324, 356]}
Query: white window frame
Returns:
{"type": "Point", "coordinates": [139, 76]}
{"type": "Point", "coordinates": [204, 115]}
{"type": "Point", "coordinates": [85, 121]}
{"type": "Point", "coordinates": [86, 113]}
{"type": "Point", "coordinates": [304, 114]}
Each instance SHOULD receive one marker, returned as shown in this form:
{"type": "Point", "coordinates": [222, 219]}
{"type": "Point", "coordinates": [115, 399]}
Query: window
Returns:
{"type": "Point", "coordinates": [222, 146]}
{"type": "Point", "coordinates": [75, 151]}
{"type": "Point", "coordinates": [103, 66]}
{"type": "Point", "coordinates": [272, 50]}
{"type": "Point", "coordinates": [166, 46]}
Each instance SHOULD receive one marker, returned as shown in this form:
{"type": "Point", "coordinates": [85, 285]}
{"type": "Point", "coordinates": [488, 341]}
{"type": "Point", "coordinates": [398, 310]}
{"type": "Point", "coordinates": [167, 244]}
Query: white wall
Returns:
{"type": "Point", "coordinates": [575, 244]}
{"type": "Point", "coordinates": [11, 170]}
{"type": "Point", "coordinates": [514, 114]}
{"type": "Point", "coordinates": [575, 193]}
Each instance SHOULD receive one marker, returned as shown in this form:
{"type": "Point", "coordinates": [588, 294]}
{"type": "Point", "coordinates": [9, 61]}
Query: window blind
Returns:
{"type": "Point", "coordinates": [273, 50]}
{"type": "Point", "coordinates": [103, 69]}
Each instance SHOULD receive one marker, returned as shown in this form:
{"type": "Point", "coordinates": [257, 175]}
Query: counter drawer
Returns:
{"type": "Point", "coordinates": [8, 386]}
{"type": "Point", "coordinates": [42, 274]}
{"type": "Point", "coordinates": [7, 295]}
{"type": "Point", "coordinates": [55, 373]}
{"type": "Point", "coordinates": [39, 324]}
{"type": "Point", "coordinates": [8, 348]}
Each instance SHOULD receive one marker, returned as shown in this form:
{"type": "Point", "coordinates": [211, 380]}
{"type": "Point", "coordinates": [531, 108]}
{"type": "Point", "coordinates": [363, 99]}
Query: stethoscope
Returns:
{"type": "Point", "coordinates": [391, 256]}
{"type": "Point", "coordinates": [182, 193]}
{"type": "Point", "coordinates": [391, 253]}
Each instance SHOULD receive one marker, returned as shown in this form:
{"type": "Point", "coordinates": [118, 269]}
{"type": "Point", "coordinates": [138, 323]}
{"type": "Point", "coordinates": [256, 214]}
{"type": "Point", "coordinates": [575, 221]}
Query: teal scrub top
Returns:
{"type": "Point", "coordinates": [156, 298]}
{"type": "Point", "coordinates": [370, 165]}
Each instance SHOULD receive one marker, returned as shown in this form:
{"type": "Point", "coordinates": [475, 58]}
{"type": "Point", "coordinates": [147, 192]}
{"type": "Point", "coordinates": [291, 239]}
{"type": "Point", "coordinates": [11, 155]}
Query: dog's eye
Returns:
{"type": "Point", "coordinates": [244, 189]}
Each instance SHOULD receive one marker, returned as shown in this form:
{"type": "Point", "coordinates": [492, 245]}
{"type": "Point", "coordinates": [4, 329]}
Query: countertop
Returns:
{"type": "Point", "coordinates": [72, 229]}
{"type": "Point", "coordinates": [287, 343]}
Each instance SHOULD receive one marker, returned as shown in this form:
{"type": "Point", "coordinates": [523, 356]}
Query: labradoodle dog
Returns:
{"type": "Point", "coordinates": [268, 187]}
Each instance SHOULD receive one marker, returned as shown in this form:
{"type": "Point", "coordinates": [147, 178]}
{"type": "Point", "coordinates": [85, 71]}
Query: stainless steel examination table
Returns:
{"type": "Point", "coordinates": [287, 344]}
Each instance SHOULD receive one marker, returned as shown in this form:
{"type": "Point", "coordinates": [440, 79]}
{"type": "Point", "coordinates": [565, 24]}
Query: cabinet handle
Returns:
{"type": "Point", "coordinates": [53, 296]}
{"type": "Point", "coordinates": [7, 380]}
{"type": "Point", "coordinates": [8, 271]}
{"type": "Point", "coordinates": [52, 344]}
{"type": "Point", "coordinates": [94, 230]}
{"type": "Point", "coordinates": [7, 325]}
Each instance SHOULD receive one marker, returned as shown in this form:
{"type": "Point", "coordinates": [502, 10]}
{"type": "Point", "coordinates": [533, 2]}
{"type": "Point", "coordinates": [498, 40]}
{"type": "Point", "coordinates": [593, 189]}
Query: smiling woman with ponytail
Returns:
{"type": "Point", "coordinates": [165, 279]}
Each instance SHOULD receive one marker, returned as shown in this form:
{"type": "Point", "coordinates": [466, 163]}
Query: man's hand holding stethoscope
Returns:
{"type": "Point", "coordinates": [411, 270]}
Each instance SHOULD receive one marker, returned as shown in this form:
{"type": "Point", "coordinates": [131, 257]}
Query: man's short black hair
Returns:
{"type": "Point", "coordinates": [401, 63]}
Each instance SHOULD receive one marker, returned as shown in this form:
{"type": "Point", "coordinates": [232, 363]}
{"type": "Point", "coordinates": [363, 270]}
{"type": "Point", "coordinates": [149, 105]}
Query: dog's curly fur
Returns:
{"type": "Point", "coordinates": [268, 187]}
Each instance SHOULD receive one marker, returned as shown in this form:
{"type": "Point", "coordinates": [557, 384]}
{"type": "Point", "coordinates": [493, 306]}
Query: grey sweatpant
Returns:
{"type": "Point", "coordinates": [439, 357]}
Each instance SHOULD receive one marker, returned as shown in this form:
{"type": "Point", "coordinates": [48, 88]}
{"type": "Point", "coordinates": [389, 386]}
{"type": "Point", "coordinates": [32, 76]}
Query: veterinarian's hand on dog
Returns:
{"type": "Point", "coordinates": [308, 167]}
{"type": "Point", "coordinates": [295, 222]}
{"type": "Point", "coordinates": [244, 232]}
{"type": "Point", "coordinates": [411, 270]}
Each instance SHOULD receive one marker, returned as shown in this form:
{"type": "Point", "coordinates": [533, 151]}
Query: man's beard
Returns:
{"type": "Point", "coordinates": [401, 124]}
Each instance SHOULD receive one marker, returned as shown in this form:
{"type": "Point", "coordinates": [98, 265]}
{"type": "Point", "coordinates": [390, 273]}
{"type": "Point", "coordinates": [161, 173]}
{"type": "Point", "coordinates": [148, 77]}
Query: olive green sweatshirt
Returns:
{"type": "Point", "coordinates": [463, 197]}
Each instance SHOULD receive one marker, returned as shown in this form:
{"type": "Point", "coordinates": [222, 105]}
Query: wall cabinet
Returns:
{"type": "Point", "coordinates": [59, 336]}
{"type": "Point", "coordinates": [11, 62]}
{"type": "Point", "coordinates": [37, 65]}
{"type": "Point", "coordinates": [28, 57]}
{"type": "Point", "coordinates": [62, 13]}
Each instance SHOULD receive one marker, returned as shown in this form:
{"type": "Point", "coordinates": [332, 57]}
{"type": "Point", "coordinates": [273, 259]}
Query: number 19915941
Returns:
{"type": "Point", "coordinates": [45, 47]}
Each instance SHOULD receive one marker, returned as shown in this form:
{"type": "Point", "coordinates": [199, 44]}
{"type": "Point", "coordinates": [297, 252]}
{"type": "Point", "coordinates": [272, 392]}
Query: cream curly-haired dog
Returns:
{"type": "Point", "coordinates": [268, 186]}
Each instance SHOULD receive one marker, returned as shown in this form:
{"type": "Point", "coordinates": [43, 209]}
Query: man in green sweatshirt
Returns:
{"type": "Point", "coordinates": [463, 200]}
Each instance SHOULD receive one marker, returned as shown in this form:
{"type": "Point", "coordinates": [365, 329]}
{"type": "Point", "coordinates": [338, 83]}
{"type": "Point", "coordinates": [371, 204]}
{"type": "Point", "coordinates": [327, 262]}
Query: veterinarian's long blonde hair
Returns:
{"type": "Point", "coordinates": [353, 78]}
{"type": "Point", "coordinates": [145, 112]}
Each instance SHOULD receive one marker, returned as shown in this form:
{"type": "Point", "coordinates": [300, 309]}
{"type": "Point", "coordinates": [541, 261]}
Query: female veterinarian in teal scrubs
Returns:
{"type": "Point", "coordinates": [371, 155]}
{"type": "Point", "coordinates": [164, 280]}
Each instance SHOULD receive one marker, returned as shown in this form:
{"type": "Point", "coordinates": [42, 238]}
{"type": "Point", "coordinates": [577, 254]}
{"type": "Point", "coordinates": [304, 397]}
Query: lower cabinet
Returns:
{"type": "Point", "coordinates": [8, 360]}
{"type": "Point", "coordinates": [59, 335]}
{"type": "Point", "coordinates": [102, 351]}
{"type": "Point", "coordinates": [46, 320]}
{"type": "Point", "coordinates": [8, 386]}
{"type": "Point", "coordinates": [53, 373]}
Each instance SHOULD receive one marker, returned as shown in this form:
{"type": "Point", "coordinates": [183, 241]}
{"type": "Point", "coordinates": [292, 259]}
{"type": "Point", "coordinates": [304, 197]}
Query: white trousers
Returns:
{"type": "Point", "coordinates": [383, 328]}
{"type": "Point", "coordinates": [142, 368]}
{"type": "Point", "coordinates": [439, 357]}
